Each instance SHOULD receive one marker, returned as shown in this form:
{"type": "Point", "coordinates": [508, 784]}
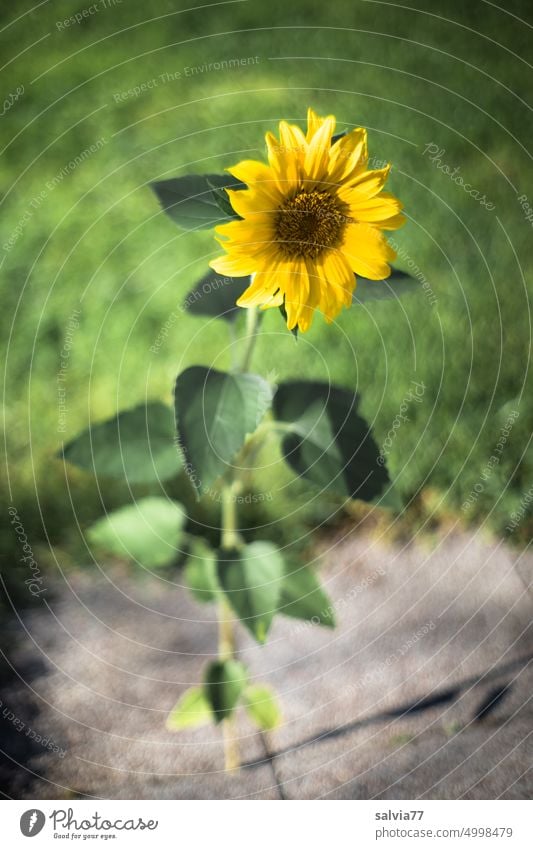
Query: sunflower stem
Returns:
{"type": "Point", "coordinates": [230, 539]}
{"type": "Point", "coordinates": [252, 319]}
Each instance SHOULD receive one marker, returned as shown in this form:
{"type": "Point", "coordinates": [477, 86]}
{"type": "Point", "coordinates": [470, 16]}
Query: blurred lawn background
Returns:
{"type": "Point", "coordinates": [450, 75]}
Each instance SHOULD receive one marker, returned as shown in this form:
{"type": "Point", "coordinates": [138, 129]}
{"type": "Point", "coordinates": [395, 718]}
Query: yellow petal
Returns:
{"type": "Point", "coordinates": [313, 123]}
{"type": "Point", "coordinates": [317, 155]}
{"type": "Point", "coordinates": [376, 209]}
{"type": "Point", "coordinates": [364, 186]}
{"type": "Point", "coordinates": [260, 290]}
{"type": "Point", "coordinates": [275, 301]}
{"type": "Point", "coordinates": [340, 279]}
{"type": "Point", "coordinates": [348, 156]}
{"type": "Point", "coordinates": [234, 266]}
{"type": "Point", "coordinates": [367, 251]}
{"type": "Point", "coordinates": [247, 202]}
{"type": "Point", "coordinates": [256, 175]}
{"type": "Point", "coordinates": [285, 163]}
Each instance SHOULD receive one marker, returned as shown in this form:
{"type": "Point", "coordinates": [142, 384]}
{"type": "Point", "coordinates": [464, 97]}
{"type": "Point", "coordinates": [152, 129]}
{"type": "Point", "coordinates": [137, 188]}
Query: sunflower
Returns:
{"type": "Point", "coordinates": [310, 221]}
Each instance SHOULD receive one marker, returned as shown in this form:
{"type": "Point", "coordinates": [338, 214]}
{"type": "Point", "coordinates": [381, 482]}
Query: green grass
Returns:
{"type": "Point", "coordinates": [98, 244]}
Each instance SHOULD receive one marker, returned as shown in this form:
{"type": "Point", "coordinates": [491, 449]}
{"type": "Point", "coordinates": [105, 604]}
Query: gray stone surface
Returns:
{"type": "Point", "coordinates": [384, 706]}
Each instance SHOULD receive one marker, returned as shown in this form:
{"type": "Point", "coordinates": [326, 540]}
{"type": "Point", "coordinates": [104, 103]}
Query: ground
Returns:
{"type": "Point", "coordinates": [422, 692]}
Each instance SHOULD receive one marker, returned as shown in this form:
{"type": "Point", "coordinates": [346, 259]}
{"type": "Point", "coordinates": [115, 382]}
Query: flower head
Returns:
{"type": "Point", "coordinates": [311, 220]}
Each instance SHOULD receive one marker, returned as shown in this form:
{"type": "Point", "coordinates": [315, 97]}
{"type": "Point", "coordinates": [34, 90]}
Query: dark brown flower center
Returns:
{"type": "Point", "coordinates": [309, 223]}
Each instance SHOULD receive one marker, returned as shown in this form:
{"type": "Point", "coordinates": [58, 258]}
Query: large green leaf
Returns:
{"type": "Point", "coordinates": [148, 531]}
{"type": "Point", "coordinates": [302, 597]}
{"type": "Point", "coordinates": [224, 683]}
{"type": "Point", "coordinates": [214, 413]}
{"type": "Point", "coordinates": [190, 201]}
{"type": "Point", "coordinates": [252, 577]}
{"type": "Point", "coordinates": [138, 445]}
{"type": "Point", "coordinates": [262, 706]}
{"type": "Point", "coordinates": [201, 572]}
{"type": "Point", "coordinates": [191, 710]}
{"type": "Point", "coordinates": [399, 283]}
{"type": "Point", "coordinates": [330, 443]}
{"type": "Point", "coordinates": [215, 295]}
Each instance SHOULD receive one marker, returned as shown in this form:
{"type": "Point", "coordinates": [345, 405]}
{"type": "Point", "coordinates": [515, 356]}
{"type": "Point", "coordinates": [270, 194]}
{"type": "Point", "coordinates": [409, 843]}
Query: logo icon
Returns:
{"type": "Point", "coordinates": [32, 822]}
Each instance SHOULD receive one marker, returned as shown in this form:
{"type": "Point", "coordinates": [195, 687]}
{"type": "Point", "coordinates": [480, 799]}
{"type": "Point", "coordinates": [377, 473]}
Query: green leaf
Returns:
{"type": "Point", "coordinates": [224, 683]}
{"type": "Point", "coordinates": [222, 200]}
{"type": "Point", "coordinates": [215, 295]}
{"type": "Point", "coordinates": [191, 710]}
{"type": "Point", "coordinates": [190, 202]}
{"type": "Point", "coordinates": [148, 531]}
{"type": "Point", "coordinates": [215, 411]}
{"type": "Point", "coordinates": [137, 444]}
{"type": "Point", "coordinates": [262, 706]}
{"type": "Point", "coordinates": [201, 573]}
{"type": "Point", "coordinates": [252, 577]}
{"type": "Point", "coordinates": [399, 283]}
{"type": "Point", "coordinates": [302, 597]}
{"type": "Point", "coordinates": [330, 444]}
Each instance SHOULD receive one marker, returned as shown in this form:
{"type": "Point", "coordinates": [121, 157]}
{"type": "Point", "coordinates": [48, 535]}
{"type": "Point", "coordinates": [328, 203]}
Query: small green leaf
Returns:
{"type": "Point", "coordinates": [201, 572]}
{"type": "Point", "coordinates": [191, 710]}
{"type": "Point", "coordinates": [215, 411]}
{"type": "Point", "coordinates": [262, 706]}
{"type": "Point", "coordinates": [190, 202]}
{"type": "Point", "coordinates": [330, 444]}
{"type": "Point", "coordinates": [251, 577]}
{"type": "Point", "coordinates": [399, 283]}
{"type": "Point", "coordinates": [137, 445]}
{"type": "Point", "coordinates": [216, 296]}
{"type": "Point", "coordinates": [302, 597]}
{"type": "Point", "coordinates": [148, 531]}
{"type": "Point", "coordinates": [224, 683]}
